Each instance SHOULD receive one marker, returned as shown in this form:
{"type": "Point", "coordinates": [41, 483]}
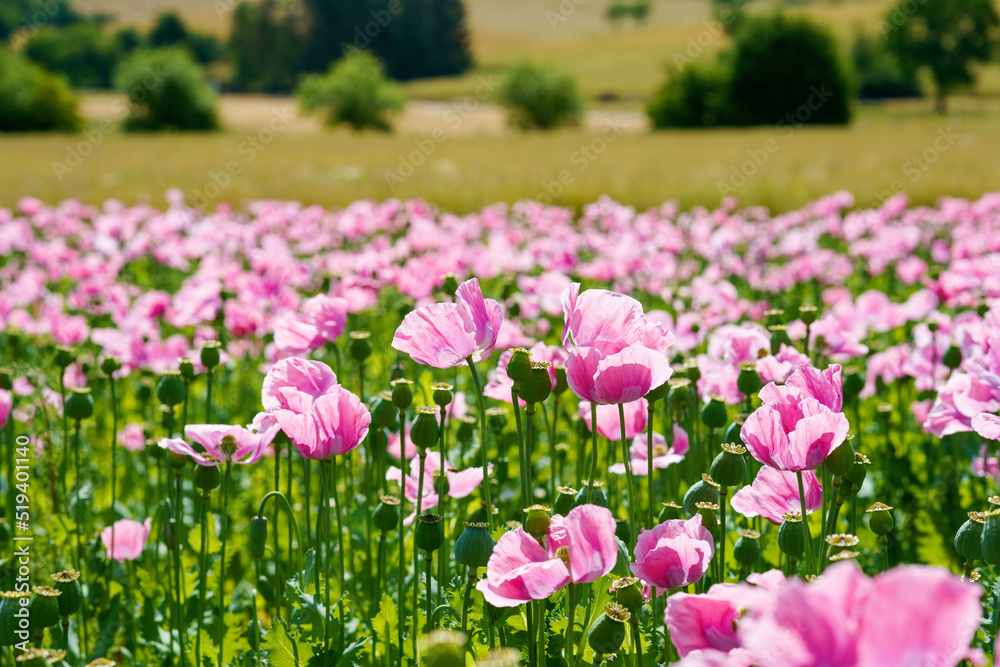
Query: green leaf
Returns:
{"type": "Point", "coordinates": [283, 650]}
{"type": "Point", "coordinates": [386, 621]}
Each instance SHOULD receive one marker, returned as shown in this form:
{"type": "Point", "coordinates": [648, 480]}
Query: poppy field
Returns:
{"type": "Point", "coordinates": [390, 435]}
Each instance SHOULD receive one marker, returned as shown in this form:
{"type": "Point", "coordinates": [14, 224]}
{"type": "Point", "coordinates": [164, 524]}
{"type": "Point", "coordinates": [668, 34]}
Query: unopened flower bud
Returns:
{"type": "Point", "coordinates": [840, 460]}
{"type": "Point", "coordinates": [258, 536]}
{"type": "Point", "coordinates": [952, 358]}
{"type": "Point", "coordinates": [562, 384]}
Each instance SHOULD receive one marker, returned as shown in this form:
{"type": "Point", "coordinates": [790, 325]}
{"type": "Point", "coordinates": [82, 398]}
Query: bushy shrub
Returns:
{"type": "Point", "coordinates": [782, 65]}
{"type": "Point", "coordinates": [166, 90]}
{"type": "Point", "coordinates": [879, 72]}
{"type": "Point", "coordinates": [355, 92]}
{"type": "Point", "coordinates": [540, 97]}
{"type": "Point", "coordinates": [32, 99]}
{"type": "Point", "coordinates": [694, 97]}
{"type": "Point", "coordinates": [81, 52]}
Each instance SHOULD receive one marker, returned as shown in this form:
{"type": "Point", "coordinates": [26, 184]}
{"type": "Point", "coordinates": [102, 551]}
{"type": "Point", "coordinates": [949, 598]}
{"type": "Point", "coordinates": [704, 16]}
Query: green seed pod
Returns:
{"type": "Point", "coordinates": [64, 356]}
{"type": "Point", "coordinates": [171, 390]}
{"type": "Point", "coordinates": [623, 531]}
{"type": "Point", "coordinates": [10, 605]}
{"type": "Point", "coordinates": [841, 460]}
{"type": "Point", "coordinates": [265, 588]}
{"type": "Point", "coordinates": [628, 594]}
{"type": "Point", "coordinates": [713, 413]}
{"type": "Point", "coordinates": [854, 382]}
{"type": "Point", "coordinates": [384, 413]}
{"type": "Point", "coordinates": [519, 365]}
{"type": "Point", "coordinates": [441, 484]}
{"type": "Point", "coordinates": [968, 539]}
{"type": "Point", "coordinates": [443, 648]}
{"type": "Point", "coordinates": [386, 513]}
{"type": "Point", "coordinates": [748, 381]}
{"type": "Point", "coordinates": [774, 316]}
{"type": "Point", "coordinates": [990, 539]}
{"type": "Point", "coordinates": [450, 284]}
{"type": "Point", "coordinates": [539, 385]}
{"type": "Point", "coordinates": [496, 419]}
{"type": "Point", "coordinates": [79, 404]}
{"type": "Point", "coordinates": [258, 536]}
{"type": "Point", "coordinates": [402, 393]}
{"type": "Point", "coordinates": [791, 541]}
{"type": "Point", "coordinates": [429, 535]}
{"type": "Point", "coordinates": [442, 394]}
{"type": "Point", "coordinates": [592, 493]}
{"type": "Point", "coordinates": [70, 593]}
{"type": "Point", "coordinates": [565, 500]}
{"type": "Point", "coordinates": [880, 519]}
{"type": "Point", "coordinates": [730, 468]}
{"type": "Point", "coordinates": [44, 608]}
{"type": "Point", "coordinates": [474, 546]}
{"type": "Point", "coordinates": [704, 491]}
{"type": "Point", "coordinates": [858, 471]}
{"type": "Point", "coordinates": [210, 354]}
{"type": "Point", "coordinates": [808, 313]}
{"type": "Point", "coordinates": [110, 365]}
{"type": "Point", "coordinates": [360, 347]}
{"type": "Point", "coordinates": [679, 395]}
{"type": "Point", "coordinates": [746, 551]}
{"type": "Point", "coordinates": [952, 358]}
{"type": "Point", "coordinates": [466, 429]}
{"type": "Point", "coordinates": [207, 478]}
{"type": "Point", "coordinates": [710, 518]}
{"type": "Point", "coordinates": [562, 384]}
{"type": "Point", "coordinates": [186, 368]}
{"type": "Point", "coordinates": [424, 430]}
{"type": "Point", "coordinates": [669, 512]}
{"type": "Point", "coordinates": [734, 432]}
{"type": "Point", "coordinates": [176, 460]}
{"type": "Point", "coordinates": [608, 631]}
{"type": "Point", "coordinates": [839, 542]}
{"type": "Point", "coordinates": [779, 337]}
{"type": "Point", "coordinates": [536, 521]}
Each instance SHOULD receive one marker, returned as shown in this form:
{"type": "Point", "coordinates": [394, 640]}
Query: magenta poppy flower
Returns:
{"type": "Point", "coordinates": [673, 554]}
{"type": "Point", "coordinates": [796, 432]}
{"type": "Point", "coordinates": [130, 539]}
{"type": "Point", "coordinates": [294, 383]}
{"type": "Point", "coordinates": [605, 375]}
{"type": "Point", "coordinates": [6, 405]}
{"type": "Point", "coordinates": [987, 426]}
{"type": "Point", "coordinates": [334, 424]}
{"type": "Point", "coordinates": [579, 548]}
{"type": "Point", "coordinates": [825, 386]}
{"type": "Point", "coordinates": [444, 335]}
{"type": "Point", "coordinates": [248, 448]}
{"type": "Point", "coordinates": [663, 456]}
{"type": "Point", "coordinates": [132, 437]}
{"type": "Point", "coordinates": [608, 422]}
{"type": "Point", "coordinates": [705, 621]}
{"type": "Point", "coordinates": [775, 493]}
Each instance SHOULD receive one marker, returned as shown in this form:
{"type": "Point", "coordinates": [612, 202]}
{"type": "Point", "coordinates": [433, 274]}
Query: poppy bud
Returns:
{"type": "Point", "coordinates": [746, 551]}
{"type": "Point", "coordinates": [442, 394]}
{"type": "Point", "coordinates": [536, 521]}
{"type": "Point", "coordinates": [424, 431]}
{"type": "Point", "coordinates": [880, 519]}
{"type": "Point", "coordinates": [170, 390]}
{"type": "Point", "coordinates": [705, 490]}
{"type": "Point", "coordinates": [562, 384]}
{"type": "Point", "coordinates": [729, 467]}
{"type": "Point", "coordinates": [565, 500]}
{"type": "Point", "coordinates": [791, 541]}
{"type": "Point", "coordinates": [592, 493]}
{"type": "Point", "coordinates": [474, 546]}
{"type": "Point", "coordinates": [386, 513]}
{"type": "Point", "coordinates": [608, 631]}
{"type": "Point", "coordinates": [64, 356]}
{"type": "Point", "coordinates": [539, 385]}
{"type": "Point", "coordinates": [840, 460]}
{"type": "Point", "coordinates": [669, 512]}
{"type": "Point", "coordinates": [808, 313]}
{"type": "Point", "coordinates": [70, 592]}
{"type": "Point", "coordinates": [713, 413]}
{"type": "Point", "coordinates": [360, 347]}
{"type": "Point", "coordinates": [210, 354]}
{"type": "Point", "coordinates": [429, 535]}
{"type": "Point", "coordinates": [258, 536]}
{"type": "Point", "coordinates": [748, 381]}
{"type": "Point", "coordinates": [402, 393]}
{"type": "Point", "coordinates": [968, 539]}
{"type": "Point", "coordinates": [207, 478]}
{"type": "Point", "coordinates": [44, 608]}
{"type": "Point", "coordinates": [519, 365]}
{"type": "Point", "coordinates": [79, 404]}
{"type": "Point", "coordinates": [383, 411]}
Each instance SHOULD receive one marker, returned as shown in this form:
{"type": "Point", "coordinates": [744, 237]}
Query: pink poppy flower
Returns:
{"type": "Point", "coordinates": [794, 432]}
{"type": "Point", "coordinates": [293, 384]}
{"type": "Point", "coordinates": [322, 320]}
{"type": "Point", "coordinates": [706, 621]}
{"type": "Point", "coordinates": [713, 658]}
{"type": "Point", "coordinates": [609, 423]}
{"type": "Point", "coordinates": [987, 426]}
{"type": "Point", "coordinates": [609, 320]}
{"type": "Point", "coordinates": [334, 424]}
{"type": "Point", "coordinates": [460, 482]}
{"type": "Point", "coordinates": [392, 447]}
{"type": "Point", "coordinates": [663, 456]}
{"type": "Point", "coordinates": [6, 404]}
{"type": "Point", "coordinates": [673, 554]}
{"type": "Point", "coordinates": [579, 548]}
{"type": "Point", "coordinates": [132, 437]}
{"type": "Point", "coordinates": [444, 335]}
{"type": "Point", "coordinates": [776, 492]}
{"type": "Point", "coordinates": [499, 385]}
{"type": "Point", "coordinates": [249, 445]}
{"type": "Point", "coordinates": [606, 376]}
{"type": "Point", "coordinates": [130, 539]}
{"type": "Point", "coordinates": [826, 386]}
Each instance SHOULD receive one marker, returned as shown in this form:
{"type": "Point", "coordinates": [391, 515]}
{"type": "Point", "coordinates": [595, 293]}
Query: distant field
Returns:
{"type": "Point", "coordinates": [464, 173]}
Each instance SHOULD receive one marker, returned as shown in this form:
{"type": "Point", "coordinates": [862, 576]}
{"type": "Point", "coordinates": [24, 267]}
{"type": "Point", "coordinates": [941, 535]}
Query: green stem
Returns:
{"type": "Point", "coordinates": [427, 592]}
{"type": "Point", "coordinates": [529, 426]}
{"type": "Point", "coordinates": [202, 576]}
{"type": "Point", "coordinates": [571, 616]}
{"type": "Point", "coordinates": [468, 599]}
{"type": "Point", "coordinates": [628, 472]}
{"type": "Point", "coordinates": [208, 397]}
{"type": "Point", "coordinates": [340, 539]}
{"type": "Point", "coordinates": [522, 462]}
{"type": "Point", "coordinates": [805, 524]}
{"type": "Point", "coordinates": [649, 466]}
{"type": "Point", "coordinates": [278, 495]}
{"type": "Point", "coordinates": [483, 443]}
{"type": "Point", "coordinates": [593, 454]}
{"type": "Point", "coordinates": [422, 458]}
{"type": "Point", "coordinates": [723, 492]}
{"type": "Point", "coordinates": [223, 534]}
{"type": "Point", "coordinates": [400, 598]}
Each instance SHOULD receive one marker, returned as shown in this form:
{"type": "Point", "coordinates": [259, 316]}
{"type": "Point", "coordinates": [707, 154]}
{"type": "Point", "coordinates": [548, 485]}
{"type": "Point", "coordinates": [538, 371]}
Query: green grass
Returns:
{"type": "Point", "coordinates": [466, 173]}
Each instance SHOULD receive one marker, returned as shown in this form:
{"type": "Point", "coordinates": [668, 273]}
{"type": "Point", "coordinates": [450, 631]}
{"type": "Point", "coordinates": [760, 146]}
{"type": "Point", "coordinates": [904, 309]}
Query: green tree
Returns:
{"type": "Point", "coordinates": [947, 37]}
{"type": "Point", "coordinates": [169, 30]}
{"type": "Point", "coordinates": [81, 51]}
{"type": "Point", "coordinates": [265, 47]}
{"type": "Point", "coordinates": [166, 90]}
{"type": "Point", "coordinates": [540, 97]}
{"type": "Point", "coordinates": [32, 99]}
{"type": "Point", "coordinates": [880, 74]}
{"type": "Point", "coordinates": [355, 92]}
{"type": "Point", "coordinates": [425, 38]}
